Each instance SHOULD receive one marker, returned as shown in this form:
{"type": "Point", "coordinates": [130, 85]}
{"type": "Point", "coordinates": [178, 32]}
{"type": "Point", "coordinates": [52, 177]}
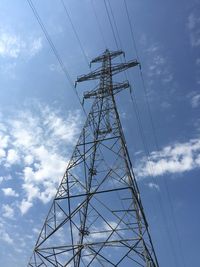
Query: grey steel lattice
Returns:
{"type": "Point", "coordinates": [97, 218]}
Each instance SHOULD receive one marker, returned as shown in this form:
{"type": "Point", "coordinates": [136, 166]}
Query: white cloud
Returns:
{"type": "Point", "coordinates": [8, 69]}
{"type": "Point", "coordinates": [25, 206]}
{"type": "Point", "coordinates": [154, 186]}
{"type": "Point", "coordinates": [158, 65]}
{"type": "Point", "coordinates": [38, 144]}
{"type": "Point", "coordinates": [55, 67]}
{"type": "Point", "coordinates": [35, 46]}
{"type": "Point", "coordinates": [5, 178]}
{"type": "Point", "coordinates": [7, 211]}
{"type": "Point", "coordinates": [4, 139]}
{"type": "Point", "coordinates": [9, 192]}
{"type": "Point", "coordinates": [4, 235]}
{"type": "Point", "coordinates": [13, 45]}
{"type": "Point", "coordinates": [41, 181]}
{"type": "Point", "coordinates": [165, 105]}
{"type": "Point", "coordinates": [193, 25]}
{"type": "Point", "coordinates": [10, 45]}
{"type": "Point", "coordinates": [28, 159]}
{"type": "Point", "coordinates": [195, 101]}
{"type": "Point", "coordinates": [198, 61]}
{"type": "Point", "coordinates": [2, 153]}
{"type": "Point", "coordinates": [194, 98]}
{"type": "Point", "coordinates": [178, 158]}
{"type": "Point", "coordinates": [31, 191]}
{"type": "Point", "coordinates": [12, 157]}
{"type": "Point", "coordinates": [191, 21]}
{"type": "Point", "coordinates": [36, 230]}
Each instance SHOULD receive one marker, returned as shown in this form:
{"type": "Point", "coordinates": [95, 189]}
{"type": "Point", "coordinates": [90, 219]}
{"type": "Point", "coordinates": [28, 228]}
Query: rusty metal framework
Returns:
{"type": "Point", "coordinates": [96, 218]}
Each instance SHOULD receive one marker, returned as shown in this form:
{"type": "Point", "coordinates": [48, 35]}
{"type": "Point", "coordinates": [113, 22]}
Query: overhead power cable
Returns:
{"type": "Point", "coordinates": [57, 56]}
{"type": "Point", "coordinates": [132, 96]}
{"type": "Point", "coordinates": [98, 23]}
{"type": "Point", "coordinates": [75, 32]}
{"type": "Point", "coordinates": [136, 109]}
{"type": "Point", "coordinates": [131, 29]}
{"type": "Point", "coordinates": [154, 130]}
{"type": "Point", "coordinates": [55, 51]}
{"type": "Point", "coordinates": [113, 31]}
{"type": "Point", "coordinates": [115, 24]}
{"type": "Point", "coordinates": [50, 42]}
{"type": "Point", "coordinates": [134, 105]}
{"type": "Point", "coordinates": [112, 28]}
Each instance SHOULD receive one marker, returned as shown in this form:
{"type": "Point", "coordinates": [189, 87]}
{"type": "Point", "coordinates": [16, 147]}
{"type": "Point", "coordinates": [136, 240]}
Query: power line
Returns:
{"type": "Point", "coordinates": [55, 51]}
{"type": "Point", "coordinates": [151, 172]}
{"type": "Point", "coordinates": [131, 29]}
{"type": "Point", "coordinates": [153, 128]}
{"type": "Point", "coordinates": [115, 24]}
{"type": "Point", "coordinates": [135, 106]}
{"type": "Point", "coordinates": [136, 109]}
{"type": "Point", "coordinates": [75, 32]}
{"type": "Point", "coordinates": [50, 42]}
{"type": "Point", "coordinates": [112, 28]}
{"type": "Point", "coordinates": [113, 32]}
{"type": "Point", "coordinates": [98, 23]}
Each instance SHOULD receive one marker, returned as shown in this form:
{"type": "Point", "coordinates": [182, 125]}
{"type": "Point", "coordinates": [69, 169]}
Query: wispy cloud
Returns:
{"type": "Point", "coordinates": [194, 98]}
{"type": "Point", "coordinates": [9, 192]}
{"type": "Point", "coordinates": [4, 236]}
{"type": "Point", "coordinates": [158, 65]}
{"type": "Point", "coordinates": [177, 158]}
{"type": "Point", "coordinates": [158, 71]}
{"type": "Point", "coordinates": [34, 142]}
{"type": "Point", "coordinates": [13, 45]}
{"type": "Point", "coordinates": [12, 157]}
{"type": "Point", "coordinates": [193, 25]}
{"type": "Point", "coordinates": [25, 206]}
{"type": "Point", "coordinates": [195, 101]}
{"type": "Point", "coordinates": [7, 211]}
{"type": "Point", "coordinates": [153, 186]}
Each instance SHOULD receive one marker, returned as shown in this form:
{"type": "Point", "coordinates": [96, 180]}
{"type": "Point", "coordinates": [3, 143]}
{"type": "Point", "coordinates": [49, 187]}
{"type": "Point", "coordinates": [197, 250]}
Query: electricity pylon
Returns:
{"type": "Point", "coordinates": [97, 218]}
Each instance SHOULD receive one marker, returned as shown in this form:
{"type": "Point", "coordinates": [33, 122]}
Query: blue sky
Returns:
{"type": "Point", "coordinates": [40, 116]}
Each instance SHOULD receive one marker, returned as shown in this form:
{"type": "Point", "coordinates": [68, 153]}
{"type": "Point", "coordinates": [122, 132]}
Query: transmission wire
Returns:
{"type": "Point", "coordinates": [136, 109]}
{"type": "Point", "coordinates": [75, 32]}
{"type": "Point", "coordinates": [55, 52]}
{"type": "Point", "coordinates": [98, 23]}
{"type": "Point", "coordinates": [153, 126]}
{"type": "Point", "coordinates": [112, 28]}
{"type": "Point", "coordinates": [115, 24]}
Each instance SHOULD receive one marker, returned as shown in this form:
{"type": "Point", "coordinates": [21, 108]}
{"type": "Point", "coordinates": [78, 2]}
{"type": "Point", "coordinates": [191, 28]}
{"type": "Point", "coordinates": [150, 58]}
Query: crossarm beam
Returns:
{"type": "Point", "coordinates": [101, 92]}
{"type": "Point", "coordinates": [97, 74]}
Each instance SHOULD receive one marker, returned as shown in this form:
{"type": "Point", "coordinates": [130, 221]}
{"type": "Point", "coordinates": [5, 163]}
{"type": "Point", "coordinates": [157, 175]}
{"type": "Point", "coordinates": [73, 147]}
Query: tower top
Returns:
{"type": "Point", "coordinates": [105, 72]}
{"type": "Point", "coordinates": [107, 54]}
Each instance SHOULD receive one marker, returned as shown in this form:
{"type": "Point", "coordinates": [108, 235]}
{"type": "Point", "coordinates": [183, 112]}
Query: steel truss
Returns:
{"type": "Point", "coordinates": [96, 218]}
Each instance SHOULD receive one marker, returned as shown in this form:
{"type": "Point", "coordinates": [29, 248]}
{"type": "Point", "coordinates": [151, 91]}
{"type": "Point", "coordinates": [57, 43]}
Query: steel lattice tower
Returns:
{"type": "Point", "coordinates": [97, 218]}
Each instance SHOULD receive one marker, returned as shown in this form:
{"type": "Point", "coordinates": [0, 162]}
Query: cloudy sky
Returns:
{"type": "Point", "coordinates": [41, 118]}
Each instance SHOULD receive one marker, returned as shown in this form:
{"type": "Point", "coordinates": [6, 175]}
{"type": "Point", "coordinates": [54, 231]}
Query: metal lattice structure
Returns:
{"type": "Point", "coordinates": [97, 218]}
